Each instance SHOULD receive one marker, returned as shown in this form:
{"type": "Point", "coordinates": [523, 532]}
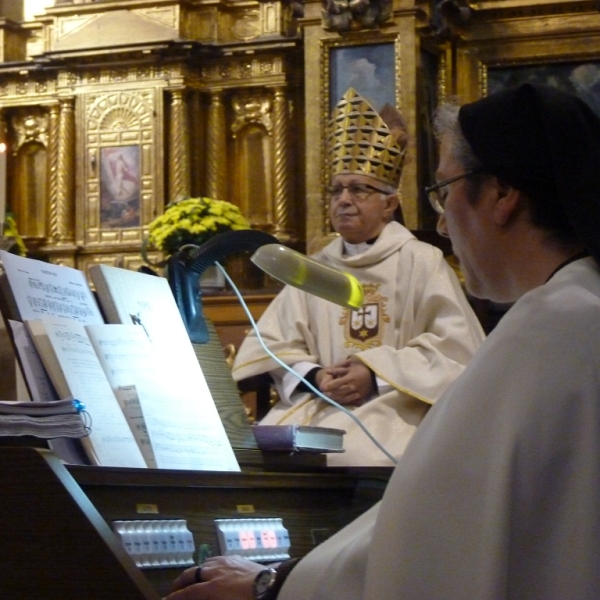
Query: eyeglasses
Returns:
{"type": "Point", "coordinates": [436, 199]}
{"type": "Point", "coordinates": [358, 191]}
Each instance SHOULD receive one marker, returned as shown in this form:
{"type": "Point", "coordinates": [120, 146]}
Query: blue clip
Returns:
{"type": "Point", "coordinates": [78, 405]}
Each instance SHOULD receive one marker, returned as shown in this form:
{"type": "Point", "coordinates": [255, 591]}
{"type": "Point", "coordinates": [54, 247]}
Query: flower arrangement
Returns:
{"type": "Point", "coordinates": [193, 221]}
{"type": "Point", "coordinates": [11, 232]}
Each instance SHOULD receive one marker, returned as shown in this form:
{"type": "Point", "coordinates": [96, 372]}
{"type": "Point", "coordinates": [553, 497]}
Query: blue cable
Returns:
{"type": "Point", "coordinates": [288, 368]}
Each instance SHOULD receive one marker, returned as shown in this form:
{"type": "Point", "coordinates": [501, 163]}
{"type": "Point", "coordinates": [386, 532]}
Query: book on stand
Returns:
{"type": "Point", "coordinates": [75, 370]}
{"type": "Point", "coordinates": [147, 301]}
{"type": "Point", "coordinates": [148, 402]}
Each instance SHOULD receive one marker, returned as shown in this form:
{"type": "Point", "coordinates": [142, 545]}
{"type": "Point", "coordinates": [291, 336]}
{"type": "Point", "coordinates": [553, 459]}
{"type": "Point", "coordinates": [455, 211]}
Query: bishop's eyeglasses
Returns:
{"type": "Point", "coordinates": [437, 199]}
{"type": "Point", "coordinates": [357, 191]}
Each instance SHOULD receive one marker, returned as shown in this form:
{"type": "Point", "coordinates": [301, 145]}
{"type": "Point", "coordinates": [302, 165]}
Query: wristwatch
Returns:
{"type": "Point", "coordinates": [263, 583]}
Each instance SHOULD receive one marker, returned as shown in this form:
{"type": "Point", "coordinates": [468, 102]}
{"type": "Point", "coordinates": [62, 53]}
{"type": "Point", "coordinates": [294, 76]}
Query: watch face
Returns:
{"type": "Point", "coordinates": [263, 582]}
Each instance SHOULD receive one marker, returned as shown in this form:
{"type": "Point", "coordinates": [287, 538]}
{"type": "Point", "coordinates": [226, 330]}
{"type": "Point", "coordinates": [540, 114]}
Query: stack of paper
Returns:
{"type": "Point", "coordinates": [42, 419]}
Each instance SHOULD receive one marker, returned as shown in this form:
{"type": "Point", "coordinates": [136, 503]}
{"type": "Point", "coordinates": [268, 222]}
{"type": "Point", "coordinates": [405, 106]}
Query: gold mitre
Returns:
{"type": "Point", "coordinates": [362, 141]}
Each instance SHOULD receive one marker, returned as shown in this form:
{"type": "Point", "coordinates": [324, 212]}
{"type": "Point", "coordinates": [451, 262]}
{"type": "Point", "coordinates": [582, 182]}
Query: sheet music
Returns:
{"type": "Point", "coordinates": [131, 406]}
{"type": "Point", "coordinates": [43, 289]}
{"type": "Point", "coordinates": [41, 389]}
{"type": "Point", "coordinates": [129, 297]}
{"type": "Point", "coordinates": [111, 438]}
{"type": "Point", "coordinates": [181, 435]}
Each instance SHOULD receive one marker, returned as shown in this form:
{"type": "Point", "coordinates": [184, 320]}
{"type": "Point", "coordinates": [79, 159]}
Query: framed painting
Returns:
{"type": "Point", "coordinates": [553, 45]}
{"type": "Point", "coordinates": [368, 68]}
{"type": "Point", "coordinates": [579, 78]}
{"type": "Point", "coordinates": [122, 171]}
{"type": "Point", "coordinates": [381, 65]}
{"type": "Point", "coordinates": [370, 64]}
{"type": "Point", "coordinates": [120, 187]}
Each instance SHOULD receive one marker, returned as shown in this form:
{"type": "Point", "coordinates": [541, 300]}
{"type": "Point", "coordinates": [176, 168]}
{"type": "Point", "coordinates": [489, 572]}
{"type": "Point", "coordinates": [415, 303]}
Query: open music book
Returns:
{"type": "Point", "coordinates": [144, 374]}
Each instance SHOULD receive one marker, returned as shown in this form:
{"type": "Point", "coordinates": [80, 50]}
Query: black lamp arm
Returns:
{"type": "Point", "coordinates": [186, 266]}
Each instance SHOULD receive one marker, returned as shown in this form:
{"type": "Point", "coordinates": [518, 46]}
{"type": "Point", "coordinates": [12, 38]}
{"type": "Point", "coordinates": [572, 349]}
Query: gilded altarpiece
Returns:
{"type": "Point", "coordinates": [178, 98]}
{"type": "Point", "coordinates": [29, 129]}
{"type": "Point", "coordinates": [124, 107]}
{"type": "Point", "coordinates": [248, 138]}
{"type": "Point", "coordinates": [251, 132]}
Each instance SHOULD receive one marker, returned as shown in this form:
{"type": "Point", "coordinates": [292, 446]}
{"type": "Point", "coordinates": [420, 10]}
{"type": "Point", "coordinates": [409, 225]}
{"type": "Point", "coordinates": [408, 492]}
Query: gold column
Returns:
{"type": "Point", "coordinates": [53, 134]}
{"type": "Point", "coordinates": [62, 204]}
{"type": "Point", "coordinates": [283, 209]}
{"type": "Point", "coordinates": [179, 150]}
{"type": "Point", "coordinates": [216, 148]}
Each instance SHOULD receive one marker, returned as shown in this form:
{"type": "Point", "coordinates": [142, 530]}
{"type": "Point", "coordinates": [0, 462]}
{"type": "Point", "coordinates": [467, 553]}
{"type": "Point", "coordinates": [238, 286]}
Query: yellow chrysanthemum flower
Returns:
{"type": "Point", "coordinates": [11, 231]}
{"type": "Point", "coordinates": [193, 221]}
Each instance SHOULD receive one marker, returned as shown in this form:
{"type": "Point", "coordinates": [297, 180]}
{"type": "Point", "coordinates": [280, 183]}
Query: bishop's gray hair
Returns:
{"type": "Point", "coordinates": [445, 123]}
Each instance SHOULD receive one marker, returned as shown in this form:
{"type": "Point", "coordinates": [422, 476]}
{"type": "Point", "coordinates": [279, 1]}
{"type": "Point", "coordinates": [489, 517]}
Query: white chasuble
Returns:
{"type": "Point", "coordinates": [415, 331]}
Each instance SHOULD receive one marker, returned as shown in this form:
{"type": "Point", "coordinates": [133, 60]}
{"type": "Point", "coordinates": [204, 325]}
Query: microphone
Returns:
{"type": "Point", "coordinates": [309, 275]}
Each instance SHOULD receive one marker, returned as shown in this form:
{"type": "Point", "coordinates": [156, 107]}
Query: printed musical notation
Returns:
{"type": "Point", "coordinates": [61, 291]}
{"type": "Point", "coordinates": [58, 308]}
{"type": "Point", "coordinates": [45, 290]}
{"type": "Point", "coordinates": [181, 437]}
{"type": "Point", "coordinates": [71, 361]}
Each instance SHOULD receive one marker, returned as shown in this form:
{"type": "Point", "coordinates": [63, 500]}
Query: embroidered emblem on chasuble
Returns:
{"type": "Point", "coordinates": [364, 328]}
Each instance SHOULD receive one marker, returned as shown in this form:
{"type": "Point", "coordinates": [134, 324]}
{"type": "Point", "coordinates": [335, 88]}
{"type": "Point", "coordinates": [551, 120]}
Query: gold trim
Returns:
{"type": "Point", "coordinates": [64, 217]}
{"type": "Point", "coordinates": [216, 148]}
{"type": "Point", "coordinates": [179, 168]}
{"type": "Point", "coordinates": [53, 142]}
{"type": "Point", "coordinates": [112, 118]}
{"type": "Point", "coordinates": [294, 410]}
{"type": "Point", "coordinates": [283, 206]}
{"type": "Point", "coordinates": [359, 140]}
{"type": "Point", "coordinates": [552, 33]}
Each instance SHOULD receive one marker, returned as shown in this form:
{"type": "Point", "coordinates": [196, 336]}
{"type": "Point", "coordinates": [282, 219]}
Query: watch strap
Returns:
{"type": "Point", "coordinates": [282, 571]}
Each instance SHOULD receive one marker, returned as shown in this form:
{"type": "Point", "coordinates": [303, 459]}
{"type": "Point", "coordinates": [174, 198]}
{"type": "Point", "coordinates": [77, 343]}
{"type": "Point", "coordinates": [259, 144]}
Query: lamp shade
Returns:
{"type": "Point", "coordinates": [309, 275]}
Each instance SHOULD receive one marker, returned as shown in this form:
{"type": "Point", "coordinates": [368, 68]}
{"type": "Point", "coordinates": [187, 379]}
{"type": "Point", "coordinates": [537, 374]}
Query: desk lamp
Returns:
{"type": "Point", "coordinates": [185, 268]}
{"type": "Point", "coordinates": [284, 264]}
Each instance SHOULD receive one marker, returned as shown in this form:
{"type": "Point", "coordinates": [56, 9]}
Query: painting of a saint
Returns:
{"type": "Point", "coordinates": [120, 187]}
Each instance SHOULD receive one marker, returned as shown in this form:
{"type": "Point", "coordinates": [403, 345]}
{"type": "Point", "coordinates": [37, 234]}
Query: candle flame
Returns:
{"type": "Point", "coordinates": [2, 147]}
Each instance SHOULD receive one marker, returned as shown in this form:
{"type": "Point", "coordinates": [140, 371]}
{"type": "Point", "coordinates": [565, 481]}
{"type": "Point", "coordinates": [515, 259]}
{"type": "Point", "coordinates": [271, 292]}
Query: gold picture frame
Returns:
{"type": "Point", "coordinates": [530, 47]}
{"type": "Point", "coordinates": [123, 168]}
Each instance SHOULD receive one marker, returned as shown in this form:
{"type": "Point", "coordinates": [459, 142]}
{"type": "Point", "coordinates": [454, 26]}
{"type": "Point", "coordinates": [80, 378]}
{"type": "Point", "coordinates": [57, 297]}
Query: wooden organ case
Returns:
{"type": "Point", "coordinates": [57, 541]}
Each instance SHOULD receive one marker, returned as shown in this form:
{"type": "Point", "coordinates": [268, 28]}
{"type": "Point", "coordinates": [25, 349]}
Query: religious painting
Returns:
{"type": "Point", "coordinates": [120, 187]}
{"type": "Point", "coordinates": [368, 68]}
{"type": "Point", "coordinates": [579, 78]}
